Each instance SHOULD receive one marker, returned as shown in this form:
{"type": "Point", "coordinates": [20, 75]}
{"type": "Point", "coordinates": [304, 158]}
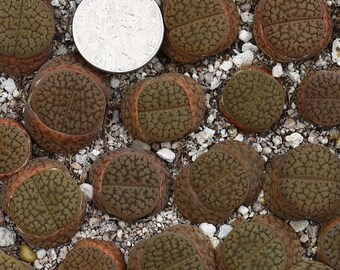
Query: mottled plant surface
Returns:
{"type": "Point", "coordinates": [290, 30]}
{"type": "Point", "coordinates": [253, 100]}
{"type": "Point", "coordinates": [319, 98]}
{"type": "Point", "coordinates": [10, 263]}
{"type": "Point", "coordinates": [311, 265]}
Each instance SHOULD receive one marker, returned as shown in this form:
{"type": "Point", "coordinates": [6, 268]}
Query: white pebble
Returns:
{"type": "Point", "coordinates": [277, 70]}
{"type": "Point", "coordinates": [41, 253]}
{"type": "Point", "coordinates": [277, 140]}
{"type": "Point", "coordinates": [247, 17]}
{"type": "Point", "coordinates": [52, 255]}
{"type": "Point", "coordinates": [336, 51]}
{"type": "Point", "coordinates": [294, 139]}
{"type": "Point", "coordinates": [224, 231]}
{"type": "Point", "coordinates": [114, 83]}
{"type": "Point", "coordinates": [299, 225]}
{"type": "Point", "coordinates": [87, 190]}
{"type": "Point", "coordinates": [205, 135]}
{"type": "Point", "coordinates": [9, 85]}
{"type": "Point", "coordinates": [245, 58]}
{"type": "Point", "coordinates": [95, 152]}
{"type": "Point", "coordinates": [239, 137]}
{"type": "Point", "coordinates": [214, 241]}
{"type": "Point", "coordinates": [249, 46]}
{"type": "Point", "coordinates": [294, 76]}
{"type": "Point", "coordinates": [243, 210]}
{"type": "Point", "coordinates": [16, 93]}
{"type": "Point", "coordinates": [7, 237]}
{"type": "Point", "coordinates": [245, 36]}
{"type": "Point", "coordinates": [208, 229]}
{"type": "Point", "coordinates": [226, 65]}
{"type": "Point", "coordinates": [215, 83]}
{"type": "Point", "coordinates": [166, 154]}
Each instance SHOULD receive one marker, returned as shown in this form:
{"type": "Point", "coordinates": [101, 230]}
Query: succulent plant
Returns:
{"type": "Point", "coordinates": [311, 265]}
{"type": "Point", "coordinates": [292, 30]}
{"type": "Point", "coordinates": [44, 202]}
{"type": "Point", "coordinates": [252, 99]}
{"type": "Point", "coordinates": [66, 107]}
{"type": "Point", "coordinates": [195, 29]}
{"type": "Point", "coordinates": [209, 189]}
{"type": "Point", "coordinates": [15, 147]}
{"type": "Point", "coordinates": [91, 254]}
{"type": "Point", "coordinates": [329, 243]}
{"type": "Point", "coordinates": [304, 183]}
{"type": "Point", "coordinates": [318, 98]}
{"type": "Point", "coordinates": [10, 263]}
{"type": "Point", "coordinates": [164, 108]}
{"type": "Point", "coordinates": [179, 247]}
{"type": "Point", "coordinates": [27, 29]}
{"type": "Point", "coordinates": [264, 243]}
{"type": "Point", "coordinates": [129, 184]}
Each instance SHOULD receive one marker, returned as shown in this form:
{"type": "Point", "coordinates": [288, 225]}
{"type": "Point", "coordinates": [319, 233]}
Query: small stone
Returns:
{"type": "Point", "coordinates": [277, 140]}
{"type": "Point", "coordinates": [95, 152]}
{"type": "Point", "coordinates": [166, 154]}
{"type": "Point", "coordinates": [224, 231]}
{"type": "Point", "coordinates": [239, 137]}
{"type": "Point", "coordinates": [312, 138]}
{"type": "Point", "coordinates": [336, 51]}
{"type": "Point", "coordinates": [16, 93]}
{"type": "Point", "coordinates": [214, 241]}
{"type": "Point", "coordinates": [41, 253]}
{"type": "Point", "coordinates": [27, 254]}
{"type": "Point", "coordinates": [87, 190]}
{"type": "Point", "coordinates": [9, 85]}
{"type": "Point", "coordinates": [120, 234]}
{"type": "Point", "coordinates": [208, 229]}
{"type": "Point", "coordinates": [215, 83]}
{"type": "Point", "coordinates": [205, 135]}
{"type": "Point", "coordinates": [245, 36]}
{"type": "Point", "coordinates": [76, 166]}
{"type": "Point", "coordinates": [247, 17]}
{"type": "Point", "coordinates": [52, 255]}
{"type": "Point", "coordinates": [226, 65]}
{"type": "Point", "coordinates": [243, 210]}
{"type": "Point", "coordinates": [94, 222]}
{"type": "Point", "coordinates": [294, 139]}
{"type": "Point", "coordinates": [114, 83]}
{"type": "Point", "coordinates": [249, 46]}
{"type": "Point", "coordinates": [299, 225]}
{"type": "Point", "coordinates": [294, 76]}
{"type": "Point", "coordinates": [304, 238]}
{"type": "Point", "coordinates": [277, 70]}
{"type": "Point", "coordinates": [7, 237]}
{"type": "Point", "coordinates": [245, 58]}
{"type": "Point", "coordinates": [290, 123]}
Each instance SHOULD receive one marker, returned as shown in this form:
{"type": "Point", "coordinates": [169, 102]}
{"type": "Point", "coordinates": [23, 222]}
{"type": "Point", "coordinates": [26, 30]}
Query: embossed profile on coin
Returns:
{"type": "Point", "coordinates": [118, 35]}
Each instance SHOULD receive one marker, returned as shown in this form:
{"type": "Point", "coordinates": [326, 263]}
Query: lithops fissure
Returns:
{"type": "Point", "coordinates": [311, 265]}
{"type": "Point", "coordinates": [8, 262]}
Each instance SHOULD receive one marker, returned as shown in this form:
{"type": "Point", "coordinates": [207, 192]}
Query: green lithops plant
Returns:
{"type": "Point", "coordinates": [304, 183]}
{"type": "Point", "coordinates": [179, 247]}
{"type": "Point", "coordinates": [329, 243]}
{"type": "Point", "coordinates": [15, 147]}
{"type": "Point", "coordinates": [44, 202]}
{"type": "Point", "coordinates": [92, 254]}
{"type": "Point", "coordinates": [164, 108]}
{"type": "Point", "coordinates": [66, 107]}
{"type": "Point", "coordinates": [264, 243]}
{"type": "Point", "coordinates": [129, 184]}
{"type": "Point", "coordinates": [311, 265]}
{"type": "Point", "coordinates": [27, 29]}
{"type": "Point", "coordinates": [293, 30]}
{"type": "Point", "coordinates": [218, 181]}
{"type": "Point", "coordinates": [252, 99]}
{"type": "Point", "coordinates": [8, 262]}
{"type": "Point", "coordinates": [195, 29]}
{"type": "Point", "coordinates": [318, 98]}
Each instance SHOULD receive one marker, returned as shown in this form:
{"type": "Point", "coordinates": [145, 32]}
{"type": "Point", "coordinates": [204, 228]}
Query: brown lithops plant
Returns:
{"type": "Point", "coordinates": [129, 184]}
{"type": "Point", "coordinates": [27, 29]}
{"type": "Point", "coordinates": [264, 243]}
{"type": "Point", "coordinates": [195, 29]}
{"type": "Point", "coordinates": [304, 183]}
{"type": "Point", "coordinates": [182, 246]}
{"type": "Point", "coordinates": [15, 147]}
{"type": "Point", "coordinates": [91, 254]}
{"type": "Point", "coordinates": [44, 202]}
{"type": "Point", "coordinates": [318, 98]}
{"type": "Point", "coordinates": [311, 265]}
{"type": "Point", "coordinates": [66, 107]}
{"type": "Point", "coordinates": [253, 99]}
{"type": "Point", "coordinates": [8, 262]}
{"type": "Point", "coordinates": [218, 181]}
{"type": "Point", "coordinates": [164, 108]}
{"type": "Point", "coordinates": [292, 30]}
{"type": "Point", "coordinates": [329, 243]}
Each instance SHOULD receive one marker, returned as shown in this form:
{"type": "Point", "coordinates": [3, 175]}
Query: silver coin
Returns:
{"type": "Point", "coordinates": [118, 35]}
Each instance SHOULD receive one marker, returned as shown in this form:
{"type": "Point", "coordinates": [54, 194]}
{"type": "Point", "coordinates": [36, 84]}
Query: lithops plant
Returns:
{"type": "Point", "coordinates": [164, 108]}
{"type": "Point", "coordinates": [92, 254]}
{"type": "Point", "coordinates": [318, 98]}
{"type": "Point", "coordinates": [179, 247]}
{"type": "Point", "coordinates": [44, 202]}
{"type": "Point", "coordinates": [195, 29]}
{"type": "Point", "coordinates": [129, 184]}
{"type": "Point", "coordinates": [218, 181]}
{"type": "Point", "coordinates": [304, 183]}
{"type": "Point", "coordinates": [8, 262]}
{"type": "Point", "coordinates": [329, 243]}
{"type": "Point", "coordinates": [264, 243]}
{"type": "Point", "coordinates": [15, 147]}
{"type": "Point", "coordinates": [27, 29]}
{"type": "Point", "coordinates": [311, 265]}
{"type": "Point", "coordinates": [252, 99]}
{"type": "Point", "coordinates": [292, 30]}
{"type": "Point", "coordinates": [66, 107]}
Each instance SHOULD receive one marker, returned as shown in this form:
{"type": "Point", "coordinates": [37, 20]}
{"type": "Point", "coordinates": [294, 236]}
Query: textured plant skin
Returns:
{"type": "Point", "coordinates": [209, 189]}
{"type": "Point", "coordinates": [15, 147]}
{"type": "Point", "coordinates": [311, 265]}
{"type": "Point", "coordinates": [252, 99]}
{"type": "Point", "coordinates": [66, 107]}
{"type": "Point", "coordinates": [329, 243]}
{"type": "Point", "coordinates": [264, 243]}
{"type": "Point", "coordinates": [10, 263]}
{"type": "Point", "coordinates": [318, 98]}
{"type": "Point", "coordinates": [180, 246]}
{"type": "Point", "coordinates": [303, 184]}
{"type": "Point", "coordinates": [44, 202]}
{"type": "Point", "coordinates": [292, 30]}
{"type": "Point", "coordinates": [90, 254]}
{"type": "Point", "coordinates": [27, 29]}
{"type": "Point", "coordinates": [195, 29]}
{"type": "Point", "coordinates": [164, 108]}
{"type": "Point", "coordinates": [129, 184]}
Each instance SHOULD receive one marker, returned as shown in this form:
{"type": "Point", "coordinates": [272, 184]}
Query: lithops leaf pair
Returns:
{"type": "Point", "coordinates": [304, 183]}
{"type": "Point", "coordinates": [179, 247]}
{"type": "Point", "coordinates": [92, 254]}
{"type": "Point", "coordinates": [27, 29]}
{"type": "Point", "coordinates": [129, 184]}
{"type": "Point", "coordinates": [253, 99]}
{"type": "Point", "coordinates": [318, 98]}
{"type": "Point", "coordinates": [15, 147]}
{"type": "Point", "coordinates": [10, 263]}
{"type": "Point", "coordinates": [164, 108]}
{"type": "Point", "coordinates": [195, 29]}
{"type": "Point", "coordinates": [265, 243]}
{"type": "Point", "coordinates": [210, 188]}
{"type": "Point", "coordinates": [44, 202]}
{"type": "Point", "coordinates": [66, 107]}
{"type": "Point", "coordinates": [311, 265]}
{"type": "Point", "coordinates": [292, 30]}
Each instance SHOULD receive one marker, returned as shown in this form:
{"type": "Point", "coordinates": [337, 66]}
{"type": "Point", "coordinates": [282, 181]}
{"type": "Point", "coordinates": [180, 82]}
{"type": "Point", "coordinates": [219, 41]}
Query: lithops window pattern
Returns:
{"type": "Point", "coordinates": [10, 263]}
{"type": "Point", "coordinates": [312, 265]}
